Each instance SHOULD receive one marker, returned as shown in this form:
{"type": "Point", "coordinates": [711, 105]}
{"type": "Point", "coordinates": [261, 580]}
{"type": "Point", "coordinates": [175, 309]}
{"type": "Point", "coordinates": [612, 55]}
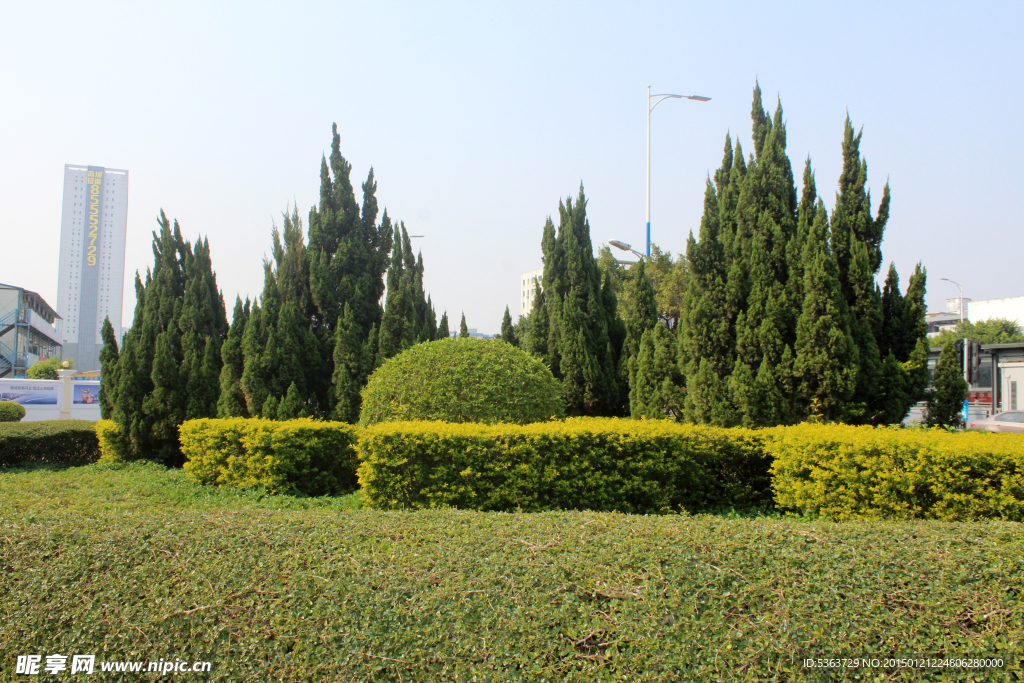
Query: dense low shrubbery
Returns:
{"type": "Point", "coordinates": [583, 464]}
{"type": "Point", "coordinates": [204, 574]}
{"type": "Point", "coordinates": [304, 455]}
{"type": "Point", "coordinates": [842, 472]}
{"type": "Point", "coordinates": [11, 411]}
{"type": "Point", "coordinates": [462, 380]}
{"type": "Point", "coordinates": [48, 441]}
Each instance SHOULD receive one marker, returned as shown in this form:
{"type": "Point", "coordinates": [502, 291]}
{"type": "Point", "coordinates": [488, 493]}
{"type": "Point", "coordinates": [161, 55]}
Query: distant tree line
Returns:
{"type": "Point", "coordinates": [305, 347]}
{"type": "Point", "coordinates": [772, 317]}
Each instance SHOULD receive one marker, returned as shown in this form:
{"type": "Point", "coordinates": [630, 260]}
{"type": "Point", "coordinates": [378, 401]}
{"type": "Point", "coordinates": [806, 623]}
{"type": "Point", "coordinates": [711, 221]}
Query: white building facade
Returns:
{"type": "Point", "coordinates": [528, 283]}
{"type": "Point", "coordinates": [90, 284]}
{"type": "Point", "coordinates": [1010, 308]}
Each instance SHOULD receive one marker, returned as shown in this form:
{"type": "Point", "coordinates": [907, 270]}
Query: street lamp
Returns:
{"type": "Point", "coordinates": [650, 108]}
{"type": "Point", "coordinates": [625, 247]}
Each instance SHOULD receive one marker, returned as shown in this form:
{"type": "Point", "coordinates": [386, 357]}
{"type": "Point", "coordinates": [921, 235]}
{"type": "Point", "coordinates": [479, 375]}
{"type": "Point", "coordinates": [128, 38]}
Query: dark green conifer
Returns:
{"type": "Point", "coordinates": [508, 333]}
{"type": "Point", "coordinates": [463, 330]}
{"type": "Point", "coordinates": [949, 391]}
{"type": "Point", "coordinates": [826, 358]}
{"type": "Point", "coordinates": [643, 319]}
{"type": "Point", "coordinates": [442, 327]}
{"type": "Point", "coordinates": [657, 390]}
{"type": "Point", "coordinates": [232, 399]}
{"type": "Point", "coordinates": [291, 405]}
{"type": "Point", "coordinates": [108, 370]}
{"type": "Point", "coordinates": [350, 369]}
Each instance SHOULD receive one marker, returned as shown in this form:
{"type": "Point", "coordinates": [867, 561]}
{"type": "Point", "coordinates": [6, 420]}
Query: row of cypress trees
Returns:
{"type": "Point", "coordinates": [168, 368]}
{"type": "Point", "coordinates": [305, 347]}
{"type": "Point", "coordinates": [781, 318]}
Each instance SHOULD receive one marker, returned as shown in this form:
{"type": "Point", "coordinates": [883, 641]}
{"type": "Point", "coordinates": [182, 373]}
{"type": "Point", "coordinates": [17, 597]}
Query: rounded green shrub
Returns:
{"type": "Point", "coordinates": [462, 380]}
{"type": "Point", "coordinates": [11, 411]}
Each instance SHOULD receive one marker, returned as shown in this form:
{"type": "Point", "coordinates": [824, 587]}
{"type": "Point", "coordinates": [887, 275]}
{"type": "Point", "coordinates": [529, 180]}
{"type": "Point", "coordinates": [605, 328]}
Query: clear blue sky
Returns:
{"type": "Point", "coordinates": [477, 117]}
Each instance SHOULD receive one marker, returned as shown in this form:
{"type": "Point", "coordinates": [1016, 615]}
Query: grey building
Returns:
{"type": "Point", "coordinates": [90, 284]}
{"type": "Point", "coordinates": [27, 333]}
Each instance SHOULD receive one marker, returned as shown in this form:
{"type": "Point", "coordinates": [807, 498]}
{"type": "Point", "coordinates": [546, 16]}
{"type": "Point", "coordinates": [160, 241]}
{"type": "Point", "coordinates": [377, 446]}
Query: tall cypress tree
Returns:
{"type": "Point", "coordinates": [463, 330]}
{"type": "Point", "coordinates": [442, 327]}
{"type": "Point", "coordinates": [946, 400]}
{"type": "Point", "coordinates": [168, 368]}
{"type": "Point", "coordinates": [508, 333]}
{"type": "Point", "coordinates": [232, 400]}
{"type": "Point", "coordinates": [644, 318]}
{"type": "Point", "coordinates": [350, 366]}
{"type": "Point", "coordinates": [108, 370]}
{"type": "Point", "coordinates": [825, 352]}
{"type": "Point", "coordinates": [582, 333]}
{"type": "Point", "coordinates": [656, 391]}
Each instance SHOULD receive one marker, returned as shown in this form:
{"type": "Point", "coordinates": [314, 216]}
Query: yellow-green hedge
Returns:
{"type": "Point", "coordinates": [112, 444]}
{"type": "Point", "coordinates": [304, 455]}
{"type": "Point", "coordinates": [844, 472]}
{"type": "Point", "coordinates": [584, 464]}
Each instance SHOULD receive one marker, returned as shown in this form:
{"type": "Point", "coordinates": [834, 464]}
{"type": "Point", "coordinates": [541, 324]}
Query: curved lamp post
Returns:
{"type": "Point", "coordinates": [627, 247]}
{"type": "Point", "coordinates": [650, 107]}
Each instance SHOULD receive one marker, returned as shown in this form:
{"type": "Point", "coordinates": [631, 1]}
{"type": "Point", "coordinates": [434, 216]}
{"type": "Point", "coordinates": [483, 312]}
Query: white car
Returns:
{"type": "Point", "coordinates": [1012, 421]}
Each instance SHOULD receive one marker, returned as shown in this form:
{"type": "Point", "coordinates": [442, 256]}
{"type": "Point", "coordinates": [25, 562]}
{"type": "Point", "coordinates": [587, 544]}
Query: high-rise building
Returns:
{"type": "Point", "coordinates": [94, 224]}
{"type": "Point", "coordinates": [528, 286]}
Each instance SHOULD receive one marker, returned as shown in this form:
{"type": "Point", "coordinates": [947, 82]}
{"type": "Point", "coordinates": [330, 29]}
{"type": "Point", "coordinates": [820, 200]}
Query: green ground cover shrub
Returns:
{"type": "Point", "coordinates": [48, 441]}
{"type": "Point", "coordinates": [139, 563]}
{"type": "Point", "coordinates": [11, 411]}
{"type": "Point", "coordinates": [464, 380]}
{"type": "Point", "coordinates": [581, 463]}
{"type": "Point", "coordinates": [311, 457]}
{"type": "Point", "coordinates": [844, 472]}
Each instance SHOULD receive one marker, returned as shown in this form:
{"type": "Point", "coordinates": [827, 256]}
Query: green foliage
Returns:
{"type": "Point", "coordinates": [463, 380]}
{"type": "Point", "coordinates": [442, 327]}
{"type": "Point", "coordinates": [583, 334]}
{"type": "Point", "coordinates": [303, 455]}
{"type": "Point", "coordinates": [463, 330]}
{"type": "Point", "coordinates": [656, 386]}
{"type": "Point", "coordinates": [580, 464]}
{"type": "Point", "coordinates": [993, 331]}
{"type": "Point", "coordinates": [948, 393]}
{"type": "Point", "coordinates": [561, 596]}
{"type": "Point", "coordinates": [108, 377]}
{"type": "Point", "coordinates": [781, 319]}
{"type": "Point", "coordinates": [168, 369]}
{"type": "Point", "coordinates": [48, 441]}
{"type": "Point", "coordinates": [845, 472]}
{"type": "Point", "coordinates": [11, 411]}
{"type": "Point", "coordinates": [46, 369]}
{"type": "Point", "coordinates": [231, 402]}
{"type": "Point", "coordinates": [508, 333]}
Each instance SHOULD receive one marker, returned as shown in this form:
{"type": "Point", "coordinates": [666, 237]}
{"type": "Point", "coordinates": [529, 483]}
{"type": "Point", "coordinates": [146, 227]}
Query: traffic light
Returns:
{"type": "Point", "coordinates": [973, 362]}
{"type": "Point", "coordinates": [959, 346]}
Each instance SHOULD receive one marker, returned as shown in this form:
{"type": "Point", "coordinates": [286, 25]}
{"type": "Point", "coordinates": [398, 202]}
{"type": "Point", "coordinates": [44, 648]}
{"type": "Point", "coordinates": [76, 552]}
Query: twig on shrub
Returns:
{"type": "Point", "coordinates": [389, 659]}
{"type": "Point", "coordinates": [199, 609]}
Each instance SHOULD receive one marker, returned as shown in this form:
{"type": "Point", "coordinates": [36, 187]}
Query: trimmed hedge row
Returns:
{"type": "Point", "coordinates": [48, 441]}
{"type": "Point", "coordinates": [584, 464]}
{"type": "Point", "coordinates": [844, 472]}
{"type": "Point", "coordinates": [303, 455]}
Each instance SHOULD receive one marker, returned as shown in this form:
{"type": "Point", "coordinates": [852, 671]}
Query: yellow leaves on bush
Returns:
{"type": "Point", "coordinates": [844, 472]}
{"type": "Point", "coordinates": [112, 442]}
{"type": "Point", "coordinates": [303, 455]}
{"type": "Point", "coordinates": [581, 463]}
